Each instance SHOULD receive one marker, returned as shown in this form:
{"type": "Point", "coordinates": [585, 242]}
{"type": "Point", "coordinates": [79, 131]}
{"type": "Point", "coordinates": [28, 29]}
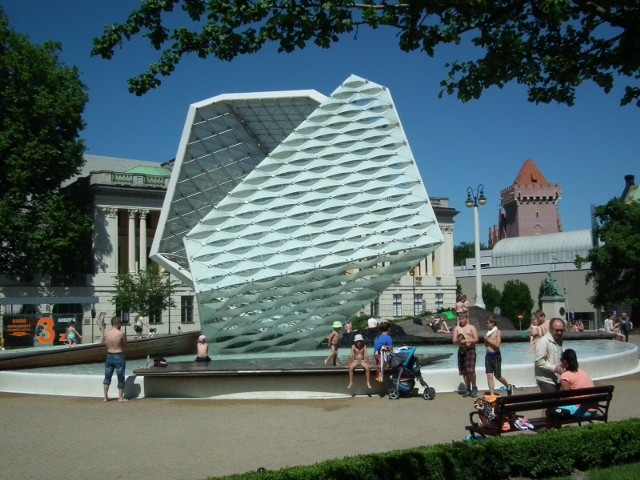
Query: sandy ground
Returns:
{"type": "Point", "coordinates": [47, 437]}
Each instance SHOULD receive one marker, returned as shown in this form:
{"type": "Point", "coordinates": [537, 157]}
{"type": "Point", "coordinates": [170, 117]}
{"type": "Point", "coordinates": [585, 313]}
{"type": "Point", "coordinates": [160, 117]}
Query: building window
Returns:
{"type": "Point", "coordinates": [397, 305]}
{"type": "Point", "coordinates": [155, 318]}
{"type": "Point", "coordinates": [186, 309]}
{"type": "Point", "coordinates": [417, 304]}
{"type": "Point", "coordinates": [439, 301]}
{"type": "Point", "coordinates": [375, 307]}
{"type": "Point", "coordinates": [124, 314]}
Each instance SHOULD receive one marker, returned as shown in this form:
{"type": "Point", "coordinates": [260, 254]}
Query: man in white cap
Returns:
{"type": "Point", "coordinates": [359, 359]}
{"type": "Point", "coordinates": [203, 350]}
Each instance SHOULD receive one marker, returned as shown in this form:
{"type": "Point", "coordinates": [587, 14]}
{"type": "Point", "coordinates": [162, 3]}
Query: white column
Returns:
{"type": "Point", "coordinates": [106, 241]}
{"type": "Point", "coordinates": [476, 223]}
{"type": "Point", "coordinates": [447, 251]}
{"type": "Point", "coordinates": [143, 239]}
{"type": "Point", "coordinates": [132, 241]}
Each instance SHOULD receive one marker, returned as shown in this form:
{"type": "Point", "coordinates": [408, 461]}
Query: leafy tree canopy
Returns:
{"type": "Point", "coordinates": [465, 250]}
{"type": "Point", "coordinates": [550, 46]}
{"type": "Point", "coordinates": [516, 298]}
{"type": "Point", "coordinates": [148, 292]}
{"type": "Point", "coordinates": [41, 106]}
{"type": "Point", "coordinates": [491, 296]}
{"type": "Point", "coordinates": [615, 262]}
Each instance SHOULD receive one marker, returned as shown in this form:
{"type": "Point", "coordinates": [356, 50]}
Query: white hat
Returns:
{"type": "Point", "coordinates": [358, 338]}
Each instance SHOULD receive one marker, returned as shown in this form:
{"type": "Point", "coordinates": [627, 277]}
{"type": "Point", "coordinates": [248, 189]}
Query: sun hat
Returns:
{"type": "Point", "coordinates": [202, 338]}
{"type": "Point", "coordinates": [358, 338]}
{"type": "Point", "coordinates": [337, 324]}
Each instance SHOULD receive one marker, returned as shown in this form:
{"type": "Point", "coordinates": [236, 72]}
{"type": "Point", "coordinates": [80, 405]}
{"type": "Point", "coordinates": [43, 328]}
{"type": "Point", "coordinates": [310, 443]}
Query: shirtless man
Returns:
{"type": "Point", "coordinates": [202, 348]}
{"type": "Point", "coordinates": [543, 323]}
{"type": "Point", "coordinates": [115, 340]}
{"type": "Point", "coordinates": [466, 337]}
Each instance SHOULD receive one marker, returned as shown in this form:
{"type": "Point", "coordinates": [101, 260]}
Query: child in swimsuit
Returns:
{"type": "Point", "coordinates": [359, 359]}
{"type": "Point", "coordinates": [72, 335]}
{"type": "Point", "coordinates": [334, 341]}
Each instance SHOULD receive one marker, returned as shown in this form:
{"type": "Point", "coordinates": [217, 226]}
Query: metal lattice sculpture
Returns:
{"type": "Point", "coordinates": [310, 229]}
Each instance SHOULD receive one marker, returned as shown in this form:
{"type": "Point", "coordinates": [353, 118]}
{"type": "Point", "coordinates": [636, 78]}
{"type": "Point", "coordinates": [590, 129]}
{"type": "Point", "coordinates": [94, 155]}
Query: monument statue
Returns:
{"type": "Point", "coordinates": [551, 288]}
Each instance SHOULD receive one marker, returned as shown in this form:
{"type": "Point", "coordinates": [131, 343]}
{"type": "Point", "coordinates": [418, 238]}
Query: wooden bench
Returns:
{"type": "Point", "coordinates": [506, 408]}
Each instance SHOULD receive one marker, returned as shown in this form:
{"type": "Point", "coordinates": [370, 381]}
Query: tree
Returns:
{"type": "Point", "coordinates": [41, 105]}
{"type": "Point", "coordinates": [615, 261]}
{"type": "Point", "coordinates": [491, 296]}
{"type": "Point", "coordinates": [147, 293]}
{"type": "Point", "coordinates": [465, 250]}
{"type": "Point", "coordinates": [550, 46]}
{"type": "Point", "coordinates": [516, 299]}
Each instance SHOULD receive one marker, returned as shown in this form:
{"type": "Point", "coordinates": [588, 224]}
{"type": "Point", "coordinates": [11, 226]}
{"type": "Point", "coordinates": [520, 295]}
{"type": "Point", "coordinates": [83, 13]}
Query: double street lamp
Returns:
{"type": "Point", "coordinates": [473, 200]}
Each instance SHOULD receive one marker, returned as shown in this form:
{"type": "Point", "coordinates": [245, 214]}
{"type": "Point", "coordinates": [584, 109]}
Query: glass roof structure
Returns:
{"type": "Point", "coordinates": [289, 211]}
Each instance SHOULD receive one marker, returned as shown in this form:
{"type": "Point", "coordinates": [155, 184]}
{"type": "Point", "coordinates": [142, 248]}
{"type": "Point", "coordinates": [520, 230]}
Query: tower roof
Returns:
{"type": "Point", "coordinates": [530, 173]}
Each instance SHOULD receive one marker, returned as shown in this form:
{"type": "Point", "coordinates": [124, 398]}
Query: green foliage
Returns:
{"type": "Point", "coordinates": [465, 250]}
{"type": "Point", "coordinates": [491, 296]}
{"type": "Point", "coordinates": [461, 252]}
{"type": "Point", "coordinates": [41, 106]}
{"type": "Point", "coordinates": [541, 291]}
{"type": "Point", "coordinates": [615, 262]}
{"type": "Point", "coordinates": [551, 46]}
{"type": "Point", "coordinates": [516, 298]}
{"type": "Point", "coordinates": [147, 293]}
{"type": "Point", "coordinates": [543, 455]}
{"type": "Point", "coordinates": [359, 322]}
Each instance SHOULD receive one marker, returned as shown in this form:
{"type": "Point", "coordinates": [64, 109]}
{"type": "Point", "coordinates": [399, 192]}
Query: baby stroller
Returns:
{"type": "Point", "coordinates": [407, 371]}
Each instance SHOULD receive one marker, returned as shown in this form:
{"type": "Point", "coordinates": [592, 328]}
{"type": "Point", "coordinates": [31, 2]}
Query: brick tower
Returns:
{"type": "Point", "coordinates": [528, 207]}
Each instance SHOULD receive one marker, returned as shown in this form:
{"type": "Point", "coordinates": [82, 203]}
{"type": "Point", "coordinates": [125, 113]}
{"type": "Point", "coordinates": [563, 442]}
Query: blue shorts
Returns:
{"type": "Point", "coordinates": [115, 361]}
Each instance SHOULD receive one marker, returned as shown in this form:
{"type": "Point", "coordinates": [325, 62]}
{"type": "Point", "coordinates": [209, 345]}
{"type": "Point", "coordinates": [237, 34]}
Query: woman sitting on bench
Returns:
{"type": "Point", "coordinates": [573, 378]}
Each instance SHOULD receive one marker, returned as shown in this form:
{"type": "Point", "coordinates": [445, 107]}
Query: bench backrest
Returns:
{"type": "Point", "coordinates": [600, 396]}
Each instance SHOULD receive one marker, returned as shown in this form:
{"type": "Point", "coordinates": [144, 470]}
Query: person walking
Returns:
{"type": "Point", "coordinates": [334, 343]}
{"type": "Point", "coordinates": [115, 340]}
{"type": "Point", "coordinates": [465, 336]}
{"type": "Point", "coordinates": [547, 366]}
{"type": "Point", "coordinates": [493, 358]}
{"type": "Point", "coordinates": [72, 335]}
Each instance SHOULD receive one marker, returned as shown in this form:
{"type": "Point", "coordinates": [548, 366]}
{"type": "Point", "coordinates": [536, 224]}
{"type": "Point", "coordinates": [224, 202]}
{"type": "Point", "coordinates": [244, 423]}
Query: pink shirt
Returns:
{"type": "Point", "coordinates": [575, 380]}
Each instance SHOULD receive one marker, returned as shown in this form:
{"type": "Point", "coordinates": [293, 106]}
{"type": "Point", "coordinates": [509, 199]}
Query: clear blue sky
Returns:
{"type": "Point", "coordinates": [587, 149]}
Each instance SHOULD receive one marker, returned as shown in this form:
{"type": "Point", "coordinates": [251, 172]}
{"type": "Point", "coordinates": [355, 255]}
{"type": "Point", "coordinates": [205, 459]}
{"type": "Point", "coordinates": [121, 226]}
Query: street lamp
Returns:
{"type": "Point", "coordinates": [473, 200]}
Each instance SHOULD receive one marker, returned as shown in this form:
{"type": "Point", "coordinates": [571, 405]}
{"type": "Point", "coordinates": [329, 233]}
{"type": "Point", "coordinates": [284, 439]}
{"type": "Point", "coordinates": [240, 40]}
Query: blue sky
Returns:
{"type": "Point", "coordinates": [587, 149]}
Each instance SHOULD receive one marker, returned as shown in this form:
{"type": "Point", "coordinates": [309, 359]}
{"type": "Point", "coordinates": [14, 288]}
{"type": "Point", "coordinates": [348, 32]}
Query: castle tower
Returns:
{"type": "Point", "coordinates": [528, 207]}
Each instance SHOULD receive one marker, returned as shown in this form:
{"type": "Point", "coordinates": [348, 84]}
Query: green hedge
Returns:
{"type": "Point", "coordinates": [541, 455]}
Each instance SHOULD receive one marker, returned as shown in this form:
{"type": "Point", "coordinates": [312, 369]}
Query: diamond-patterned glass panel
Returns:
{"type": "Point", "coordinates": [310, 233]}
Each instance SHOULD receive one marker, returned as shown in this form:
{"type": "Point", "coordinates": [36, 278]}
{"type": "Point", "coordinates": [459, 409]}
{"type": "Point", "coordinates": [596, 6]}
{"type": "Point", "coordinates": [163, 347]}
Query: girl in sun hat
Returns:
{"type": "Point", "coordinates": [334, 341]}
{"type": "Point", "coordinates": [359, 359]}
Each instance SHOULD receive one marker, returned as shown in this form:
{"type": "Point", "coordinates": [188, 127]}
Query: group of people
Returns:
{"type": "Point", "coordinates": [554, 368]}
{"type": "Point", "coordinates": [618, 326]}
{"type": "Point", "coordinates": [358, 355]}
{"type": "Point", "coordinates": [465, 335]}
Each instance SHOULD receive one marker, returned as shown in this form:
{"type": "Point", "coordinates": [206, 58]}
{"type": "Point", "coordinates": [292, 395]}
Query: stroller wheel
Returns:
{"type": "Point", "coordinates": [429, 393]}
{"type": "Point", "coordinates": [394, 393]}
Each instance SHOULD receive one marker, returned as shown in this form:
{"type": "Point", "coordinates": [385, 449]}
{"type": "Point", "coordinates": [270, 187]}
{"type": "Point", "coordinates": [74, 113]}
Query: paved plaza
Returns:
{"type": "Point", "coordinates": [50, 437]}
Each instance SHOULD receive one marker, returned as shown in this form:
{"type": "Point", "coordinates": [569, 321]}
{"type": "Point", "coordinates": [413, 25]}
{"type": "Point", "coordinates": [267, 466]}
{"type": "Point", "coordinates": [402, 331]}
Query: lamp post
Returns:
{"type": "Point", "coordinates": [473, 200]}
